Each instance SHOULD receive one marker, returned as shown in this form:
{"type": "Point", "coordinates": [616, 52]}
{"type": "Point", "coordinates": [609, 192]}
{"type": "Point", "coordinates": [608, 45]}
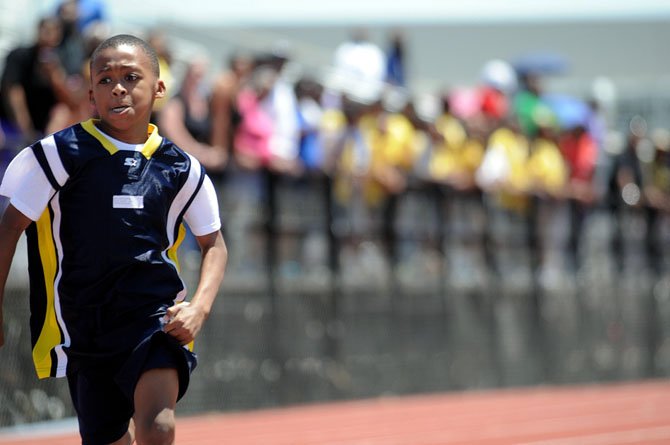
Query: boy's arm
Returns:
{"type": "Point", "coordinates": [12, 225]}
{"type": "Point", "coordinates": [186, 320]}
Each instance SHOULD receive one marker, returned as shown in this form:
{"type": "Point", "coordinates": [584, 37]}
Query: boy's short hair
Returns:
{"type": "Point", "coordinates": [130, 40]}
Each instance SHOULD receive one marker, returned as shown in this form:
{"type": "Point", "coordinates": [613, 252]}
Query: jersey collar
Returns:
{"type": "Point", "coordinates": [150, 146]}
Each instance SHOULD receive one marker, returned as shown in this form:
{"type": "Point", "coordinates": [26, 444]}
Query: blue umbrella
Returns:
{"type": "Point", "coordinates": [570, 111]}
{"type": "Point", "coordinates": [540, 63]}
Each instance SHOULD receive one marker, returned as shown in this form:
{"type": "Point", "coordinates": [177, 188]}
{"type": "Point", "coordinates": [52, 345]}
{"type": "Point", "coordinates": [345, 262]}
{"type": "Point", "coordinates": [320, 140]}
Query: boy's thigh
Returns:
{"type": "Point", "coordinates": [165, 353]}
{"type": "Point", "coordinates": [103, 411]}
{"type": "Point", "coordinates": [158, 385]}
{"type": "Point", "coordinates": [156, 395]}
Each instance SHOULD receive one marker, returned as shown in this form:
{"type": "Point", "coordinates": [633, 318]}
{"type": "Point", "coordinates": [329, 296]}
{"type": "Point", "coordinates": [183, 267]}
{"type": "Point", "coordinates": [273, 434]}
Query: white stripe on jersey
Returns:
{"type": "Point", "coordinates": [51, 153]}
{"type": "Point", "coordinates": [177, 206]}
{"type": "Point", "coordinates": [182, 198]}
{"type": "Point", "coordinates": [60, 354]}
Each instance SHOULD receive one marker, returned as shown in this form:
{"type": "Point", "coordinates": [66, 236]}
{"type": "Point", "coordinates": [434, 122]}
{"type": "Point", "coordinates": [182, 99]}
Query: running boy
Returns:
{"type": "Point", "coordinates": [102, 204]}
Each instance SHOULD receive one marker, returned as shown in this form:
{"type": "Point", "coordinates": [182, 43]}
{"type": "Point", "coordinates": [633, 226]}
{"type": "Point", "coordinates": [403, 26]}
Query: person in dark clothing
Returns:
{"type": "Point", "coordinates": [186, 119]}
{"type": "Point", "coordinates": [102, 204]}
{"type": "Point", "coordinates": [625, 182]}
{"type": "Point", "coordinates": [72, 47]}
{"type": "Point", "coordinates": [31, 83]}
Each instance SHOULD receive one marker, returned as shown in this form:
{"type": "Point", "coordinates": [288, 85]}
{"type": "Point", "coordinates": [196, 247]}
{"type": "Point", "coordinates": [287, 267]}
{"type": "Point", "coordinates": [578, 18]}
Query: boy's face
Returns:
{"type": "Point", "coordinates": [123, 90]}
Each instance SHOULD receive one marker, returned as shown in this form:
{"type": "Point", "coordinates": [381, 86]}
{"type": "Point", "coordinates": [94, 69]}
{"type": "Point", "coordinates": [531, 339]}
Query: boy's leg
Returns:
{"type": "Point", "coordinates": [156, 376]}
{"type": "Point", "coordinates": [155, 400]}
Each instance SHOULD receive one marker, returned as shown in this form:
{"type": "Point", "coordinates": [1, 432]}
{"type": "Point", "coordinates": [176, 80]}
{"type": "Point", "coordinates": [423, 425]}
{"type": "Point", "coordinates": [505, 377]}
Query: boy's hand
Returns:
{"type": "Point", "coordinates": [184, 322]}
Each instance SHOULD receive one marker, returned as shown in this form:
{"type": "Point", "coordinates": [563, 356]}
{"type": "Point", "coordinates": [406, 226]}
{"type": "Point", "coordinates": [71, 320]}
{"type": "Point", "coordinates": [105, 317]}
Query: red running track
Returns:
{"type": "Point", "coordinates": [630, 413]}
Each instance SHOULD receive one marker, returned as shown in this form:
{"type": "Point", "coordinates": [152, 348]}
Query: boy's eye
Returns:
{"type": "Point", "coordinates": [132, 76]}
{"type": "Point", "coordinates": [104, 80]}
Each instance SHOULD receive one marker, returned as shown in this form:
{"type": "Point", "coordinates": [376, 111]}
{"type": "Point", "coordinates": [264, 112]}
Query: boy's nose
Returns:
{"type": "Point", "coordinates": [119, 90]}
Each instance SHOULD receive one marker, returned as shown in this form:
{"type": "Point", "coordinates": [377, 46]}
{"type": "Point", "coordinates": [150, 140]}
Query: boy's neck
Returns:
{"type": "Point", "coordinates": [137, 135]}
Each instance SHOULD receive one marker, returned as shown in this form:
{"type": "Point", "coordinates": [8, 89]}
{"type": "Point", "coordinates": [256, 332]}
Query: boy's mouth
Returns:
{"type": "Point", "coordinates": [120, 109]}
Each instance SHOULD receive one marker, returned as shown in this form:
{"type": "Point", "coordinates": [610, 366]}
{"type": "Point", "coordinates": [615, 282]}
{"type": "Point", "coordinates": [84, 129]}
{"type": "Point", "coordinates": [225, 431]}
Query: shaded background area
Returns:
{"type": "Point", "coordinates": [442, 318]}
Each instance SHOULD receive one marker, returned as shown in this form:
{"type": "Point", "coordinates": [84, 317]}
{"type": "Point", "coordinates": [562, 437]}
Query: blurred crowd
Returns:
{"type": "Point", "coordinates": [508, 142]}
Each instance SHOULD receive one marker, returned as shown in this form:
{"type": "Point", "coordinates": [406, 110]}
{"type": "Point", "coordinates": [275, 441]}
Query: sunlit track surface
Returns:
{"type": "Point", "coordinates": [631, 413]}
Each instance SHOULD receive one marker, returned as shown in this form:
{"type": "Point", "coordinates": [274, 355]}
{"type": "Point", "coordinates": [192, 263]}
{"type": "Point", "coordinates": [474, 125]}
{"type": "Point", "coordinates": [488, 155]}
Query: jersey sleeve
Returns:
{"type": "Point", "coordinates": [202, 216]}
{"type": "Point", "coordinates": [26, 185]}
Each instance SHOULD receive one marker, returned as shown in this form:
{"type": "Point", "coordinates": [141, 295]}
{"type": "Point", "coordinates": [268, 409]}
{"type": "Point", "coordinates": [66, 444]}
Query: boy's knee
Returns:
{"type": "Point", "coordinates": [159, 430]}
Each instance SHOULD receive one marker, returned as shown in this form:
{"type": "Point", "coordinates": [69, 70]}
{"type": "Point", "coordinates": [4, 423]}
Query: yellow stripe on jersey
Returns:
{"type": "Point", "coordinates": [172, 254]}
{"type": "Point", "coordinates": [90, 127]}
{"type": "Point", "coordinates": [172, 251]}
{"type": "Point", "coordinates": [153, 141]}
{"type": "Point", "coordinates": [150, 146]}
{"type": "Point", "coordinates": [50, 336]}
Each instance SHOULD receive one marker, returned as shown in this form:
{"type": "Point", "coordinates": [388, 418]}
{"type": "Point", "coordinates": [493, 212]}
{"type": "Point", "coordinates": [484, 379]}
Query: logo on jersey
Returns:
{"type": "Point", "coordinates": [131, 162]}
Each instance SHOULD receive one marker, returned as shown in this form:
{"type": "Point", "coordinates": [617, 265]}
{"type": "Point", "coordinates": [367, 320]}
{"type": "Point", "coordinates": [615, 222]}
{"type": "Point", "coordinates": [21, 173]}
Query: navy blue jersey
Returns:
{"type": "Point", "coordinates": [102, 257]}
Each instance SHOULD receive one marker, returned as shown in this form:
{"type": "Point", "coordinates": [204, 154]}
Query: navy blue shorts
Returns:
{"type": "Point", "coordinates": [102, 392]}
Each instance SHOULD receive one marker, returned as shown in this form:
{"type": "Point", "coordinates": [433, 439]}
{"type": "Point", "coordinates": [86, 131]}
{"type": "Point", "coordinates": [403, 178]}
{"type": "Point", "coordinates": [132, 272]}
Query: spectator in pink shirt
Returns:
{"type": "Point", "coordinates": [253, 135]}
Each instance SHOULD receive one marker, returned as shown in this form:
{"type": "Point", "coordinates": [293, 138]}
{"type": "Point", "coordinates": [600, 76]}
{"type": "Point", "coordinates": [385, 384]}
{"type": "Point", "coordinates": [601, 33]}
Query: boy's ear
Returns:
{"type": "Point", "coordinates": [161, 89]}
